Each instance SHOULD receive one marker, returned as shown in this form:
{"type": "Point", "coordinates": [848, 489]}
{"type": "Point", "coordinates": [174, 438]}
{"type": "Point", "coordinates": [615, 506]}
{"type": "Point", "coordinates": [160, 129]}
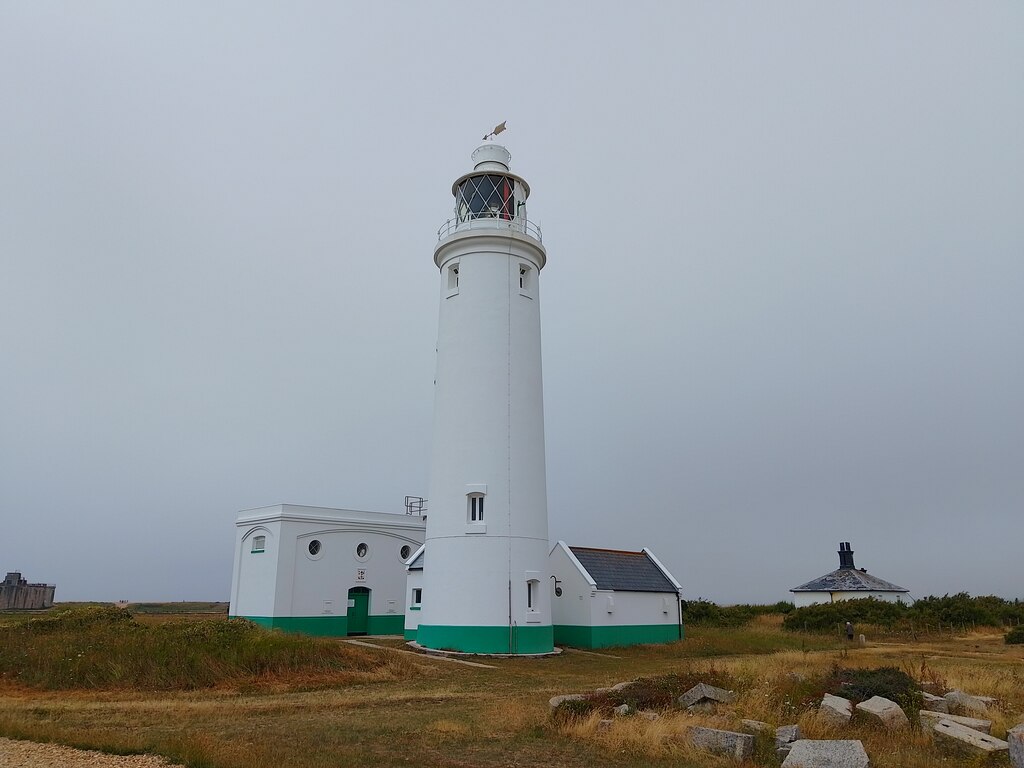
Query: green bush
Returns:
{"type": "Point", "coordinates": [888, 682]}
{"type": "Point", "coordinates": [1015, 636]}
{"type": "Point", "coordinates": [706, 613]}
{"type": "Point", "coordinates": [928, 613]}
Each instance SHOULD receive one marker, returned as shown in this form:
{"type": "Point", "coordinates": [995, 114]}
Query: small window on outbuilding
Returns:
{"type": "Point", "coordinates": [259, 543]}
{"type": "Point", "coordinates": [417, 596]}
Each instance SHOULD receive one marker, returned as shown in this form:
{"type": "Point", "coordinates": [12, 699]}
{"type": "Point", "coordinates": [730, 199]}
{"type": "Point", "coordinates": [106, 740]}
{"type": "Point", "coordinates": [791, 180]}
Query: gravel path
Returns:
{"type": "Point", "coordinates": [28, 754]}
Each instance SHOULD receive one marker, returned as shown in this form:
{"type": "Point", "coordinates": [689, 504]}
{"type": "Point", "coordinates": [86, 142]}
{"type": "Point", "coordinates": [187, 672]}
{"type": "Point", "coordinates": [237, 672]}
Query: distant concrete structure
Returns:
{"type": "Point", "coordinates": [16, 594]}
{"type": "Point", "coordinates": [847, 583]}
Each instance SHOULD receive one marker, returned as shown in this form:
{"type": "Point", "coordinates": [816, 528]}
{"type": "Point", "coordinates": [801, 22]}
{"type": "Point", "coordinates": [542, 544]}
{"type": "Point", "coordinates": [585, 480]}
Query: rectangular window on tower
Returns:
{"type": "Point", "coordinates": [525, 281]}
{"type": "Point", "coordinates": [452, 286]}
{"type": "Point", "coordinates": [259, 543]}
{"type": "Point", "coordinates": [476, 508]}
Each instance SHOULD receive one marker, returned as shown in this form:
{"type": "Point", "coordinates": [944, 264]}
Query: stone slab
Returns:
{"type": "Point", "coordinates": [703, 693]}
{"type": "Point", "coordinates": [622, 709]}
{"type": "Point", "coordinates": [754, 726]}
{"type": "Point", "coordinates": [604, 725]}
{"type": "Point", "coordinates": [1015, 738]}
{"type": "Point", "coordinates": [826, 753]}
{"type": "Point", "coordinates": [960, 702]}
{"type": "Point", "coordinates": [929, 719]}
{"type": "Point", "coordinates": [730, 743]}
{"type": "Point", "coordinates": [968, 737]}
{"type": "Point", "coordinates": [835, 710]}
{"type": "Point", "coordinates": [885, 711]}
{"type": "Point", "coordinates": [554, 701]}
{"type": "Point", "coordinates": [935, 703]}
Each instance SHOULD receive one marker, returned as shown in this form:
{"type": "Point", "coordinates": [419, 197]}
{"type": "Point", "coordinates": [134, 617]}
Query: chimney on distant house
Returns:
{"type": "Point", "coordinates": [845, 555]}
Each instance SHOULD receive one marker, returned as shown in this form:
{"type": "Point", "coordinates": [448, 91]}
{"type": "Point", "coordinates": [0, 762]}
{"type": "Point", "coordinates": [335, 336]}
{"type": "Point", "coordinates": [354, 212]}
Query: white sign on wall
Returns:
{"type": "Point", "coordinates": [360, 574]}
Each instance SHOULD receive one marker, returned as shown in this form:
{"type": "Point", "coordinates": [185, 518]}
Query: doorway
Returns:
{"type": "Point", "coordinates": [358, 610]}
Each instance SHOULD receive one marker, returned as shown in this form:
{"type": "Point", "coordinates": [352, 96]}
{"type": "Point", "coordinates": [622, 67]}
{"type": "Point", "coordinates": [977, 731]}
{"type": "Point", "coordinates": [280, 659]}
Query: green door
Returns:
{"type": "Point", "coordinates": [358, 610]}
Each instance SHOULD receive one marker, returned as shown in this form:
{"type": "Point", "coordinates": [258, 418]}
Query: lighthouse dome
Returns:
{"type": "Point", "coordinates": [491, 157]}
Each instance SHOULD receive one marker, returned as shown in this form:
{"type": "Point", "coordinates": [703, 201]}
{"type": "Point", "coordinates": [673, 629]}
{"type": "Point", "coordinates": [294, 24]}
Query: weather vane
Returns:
{"type": "Point", "coordinates": [497, 129]}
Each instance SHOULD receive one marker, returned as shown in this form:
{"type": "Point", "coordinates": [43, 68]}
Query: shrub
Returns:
{"type": "Point", "coordinates": [705, 613]}
{"type": "Point", "coordinates": [888, 682]}
{"type": "Point", "coordinates": [1015, 636]}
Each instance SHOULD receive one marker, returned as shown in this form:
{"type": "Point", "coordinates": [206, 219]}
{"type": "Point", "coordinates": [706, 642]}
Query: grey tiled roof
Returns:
{"type": "Point", "coordinates": [417, 564]}
{"type": "Point", "coordinates": [624, 571]}
{"type": "Point", "coordinates": [848, 580]}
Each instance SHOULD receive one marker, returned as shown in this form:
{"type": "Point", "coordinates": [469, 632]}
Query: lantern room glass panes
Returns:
{"type": "Point", "coordinates": [490, 196]}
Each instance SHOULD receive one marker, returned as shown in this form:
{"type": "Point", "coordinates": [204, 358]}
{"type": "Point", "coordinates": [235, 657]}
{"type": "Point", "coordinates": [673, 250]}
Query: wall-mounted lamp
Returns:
{"type": "Point", "coordinates": [558, 587]}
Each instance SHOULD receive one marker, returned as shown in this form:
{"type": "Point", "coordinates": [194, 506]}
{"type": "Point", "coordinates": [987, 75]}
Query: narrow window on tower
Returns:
{"type": "Point", "coordinates": [476, 508]}
{"type": "Point", "coordinates": [417, 597]}
{"type": "Point", "coordinates": [259, 543]}
{"type": "Point", "coordinates": [525, 281]}
{"type": "Point", "coordinates": [451, 285]}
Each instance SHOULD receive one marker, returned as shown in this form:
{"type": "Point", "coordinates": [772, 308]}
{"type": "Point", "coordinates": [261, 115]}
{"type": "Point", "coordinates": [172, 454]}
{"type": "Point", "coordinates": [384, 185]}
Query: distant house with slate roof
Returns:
{"type": "Point", "coordinates": [847, 583]}
{"type": "Point", "coordinates": [608, 597]}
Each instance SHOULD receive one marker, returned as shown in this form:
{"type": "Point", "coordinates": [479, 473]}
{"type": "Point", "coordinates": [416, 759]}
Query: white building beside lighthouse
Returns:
{"type": "Point", "coordinates": [485, 583]}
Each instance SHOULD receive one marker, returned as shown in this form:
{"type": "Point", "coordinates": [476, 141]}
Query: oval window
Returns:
{"type": "Point", "coordinates": [314, 547]}
{"type": "Point", "coordinates": [405, 552]}
{"type": "Point", "coordinates": [362, 550]}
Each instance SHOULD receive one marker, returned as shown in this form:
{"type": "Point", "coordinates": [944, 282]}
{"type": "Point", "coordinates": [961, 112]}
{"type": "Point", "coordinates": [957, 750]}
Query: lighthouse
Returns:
{"type": "Point", "coordinates": [485, 571]}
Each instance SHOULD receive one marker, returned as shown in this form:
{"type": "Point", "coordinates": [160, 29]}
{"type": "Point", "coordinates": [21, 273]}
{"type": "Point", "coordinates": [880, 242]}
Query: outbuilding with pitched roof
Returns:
{"type": "Point", "coordinates": [609, 597]}
{"type": "Point", "coordinates": [847, 583]}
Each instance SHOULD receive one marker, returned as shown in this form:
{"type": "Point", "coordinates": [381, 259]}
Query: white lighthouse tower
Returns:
{"type": "Point", "coordinates": [485, 568]}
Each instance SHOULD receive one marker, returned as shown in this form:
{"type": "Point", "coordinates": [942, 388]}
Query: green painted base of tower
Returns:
{"type": "Point", "coordinates": [515, 640]}
{"type": "Point", "coordinates": [608, 637]}
{"type": "Point", "coordinates": [328, 626]}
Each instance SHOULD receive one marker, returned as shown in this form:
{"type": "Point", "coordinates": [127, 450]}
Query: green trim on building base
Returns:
{"type": "Point", "coordinates": [389, 624]}
{"type": "Point", "coordinates": [522, 639]}
{"type": "Point", "coordinates": [410, 634]}
{"type": "Point", "coordinates": [577, 636]}
{"type": "Point", "coordinates": [329, 626]}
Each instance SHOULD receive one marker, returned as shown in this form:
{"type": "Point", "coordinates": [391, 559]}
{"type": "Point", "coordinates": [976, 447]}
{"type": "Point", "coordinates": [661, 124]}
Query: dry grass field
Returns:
{"type": "Point", "coordinates": [402, 709]}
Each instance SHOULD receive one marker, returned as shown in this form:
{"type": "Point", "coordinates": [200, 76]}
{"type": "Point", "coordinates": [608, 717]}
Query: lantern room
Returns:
{"type": "Point", "coordinates": [490, 191]}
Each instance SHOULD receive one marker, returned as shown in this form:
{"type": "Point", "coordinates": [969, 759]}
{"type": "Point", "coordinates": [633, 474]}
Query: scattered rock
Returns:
{"type": "Point", "coordinates": [737, 745]}
{"type": "Point", "coordinates": [648, 715]}
{"type": "Point", "coordinates": [935, 703]}
{"type": "Point", "coordinates": [835, 710]}
{"type": "Point", "coordinates": [786, 734]}
{"type": "Point", "coordinates": [1015, 738]}
{"type": "Point", "coordinates": [968, 737]}
{"type": "Point", "coordinates": [960, 702]}
{"type": "Point", "coordinates": [886, 711]}
{"type": "Point", "coordinates": [754, 726]}
{"type": "Point", "coordinates": [554, 701]}
{"type": "Point", "coordinates": [622, 709]}
{"type": "Point", "coordinates": [607, 690]}
{"type": "Point", "coordinates": [620, 686]}
{"type": "Point", "coordinates": [929, 719]}
{"type": "Point", "coordinates": [703, 697]}
{"type": "Point", "coordinates": [826, 753]}
{"type": "Point", "coordinates": [604, 725]}
{"type": "Point", "coordinates": [862, 641]}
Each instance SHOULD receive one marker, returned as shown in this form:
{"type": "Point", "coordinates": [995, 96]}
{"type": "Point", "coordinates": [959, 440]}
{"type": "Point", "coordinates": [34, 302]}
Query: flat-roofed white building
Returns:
{"type": "Point", "coordinates": [323, 571]}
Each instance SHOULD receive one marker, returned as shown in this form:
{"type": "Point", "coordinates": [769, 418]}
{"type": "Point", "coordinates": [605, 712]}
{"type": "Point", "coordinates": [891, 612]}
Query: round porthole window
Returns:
{"type": "Point", "coordinates": [362, 550]}
{"type": "Point", "coordinates": [314, 547]}
{"type": "Point", "coordinates": [405, 551]}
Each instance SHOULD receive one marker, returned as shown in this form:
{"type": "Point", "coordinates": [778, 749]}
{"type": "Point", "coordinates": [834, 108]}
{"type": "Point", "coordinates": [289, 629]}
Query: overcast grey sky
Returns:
{"type": "Point", "coordinates": [782, 308]}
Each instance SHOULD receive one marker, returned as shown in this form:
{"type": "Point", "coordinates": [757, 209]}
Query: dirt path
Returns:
{"type": "Point", "coordinates": [28, 754]}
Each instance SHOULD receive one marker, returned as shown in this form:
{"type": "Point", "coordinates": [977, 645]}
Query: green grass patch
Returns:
{"type": "Point", "coordinates": [104, 647]}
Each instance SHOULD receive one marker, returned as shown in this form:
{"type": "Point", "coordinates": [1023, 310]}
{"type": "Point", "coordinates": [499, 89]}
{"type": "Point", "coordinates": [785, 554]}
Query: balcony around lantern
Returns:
{"type": "Point", "coordinates": [489, 221]}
